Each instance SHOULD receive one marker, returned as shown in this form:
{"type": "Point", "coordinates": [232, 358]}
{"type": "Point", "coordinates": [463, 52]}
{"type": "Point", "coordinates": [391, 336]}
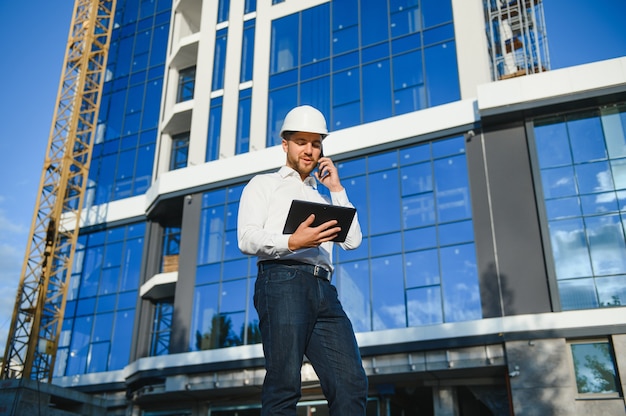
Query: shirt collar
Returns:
{"type": "Point", "coordinates": [286, 171]}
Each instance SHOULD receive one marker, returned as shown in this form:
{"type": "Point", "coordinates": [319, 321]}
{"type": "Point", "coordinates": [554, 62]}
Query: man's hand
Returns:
{"type": "Point", "coordinates": [306, 236]}
{"type": "Point", "coordinates": [327, 174]}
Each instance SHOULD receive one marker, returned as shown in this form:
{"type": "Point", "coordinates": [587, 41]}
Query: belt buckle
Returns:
{"type": "Point", "coordinates": [320, 271]}
{"type": "Point", "coordinates": [316, 270]}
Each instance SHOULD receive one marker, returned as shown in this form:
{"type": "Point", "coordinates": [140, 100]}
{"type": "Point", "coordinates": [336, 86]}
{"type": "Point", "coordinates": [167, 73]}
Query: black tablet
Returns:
{"type": "Point", "coordinates": [300, 211]}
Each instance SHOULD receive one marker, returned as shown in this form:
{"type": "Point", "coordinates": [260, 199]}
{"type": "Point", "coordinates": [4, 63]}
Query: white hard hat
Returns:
{"type": "Point", "coordinates": [305, 119]}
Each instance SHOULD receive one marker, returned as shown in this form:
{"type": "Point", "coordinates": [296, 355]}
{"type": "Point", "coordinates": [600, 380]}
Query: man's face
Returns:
{"type": "Point", "coordinates": [303, 152]}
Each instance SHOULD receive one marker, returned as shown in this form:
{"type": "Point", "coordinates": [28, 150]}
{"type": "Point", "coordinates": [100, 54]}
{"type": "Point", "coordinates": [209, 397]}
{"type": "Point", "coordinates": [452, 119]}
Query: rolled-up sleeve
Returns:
{"type": "Point", "coordinates": [252, 236]}
{"type": "Point", "coordinates": [354, 237]}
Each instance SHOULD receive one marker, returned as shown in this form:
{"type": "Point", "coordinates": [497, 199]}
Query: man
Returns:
{"type": "Point", "coordinates": [299, 311]}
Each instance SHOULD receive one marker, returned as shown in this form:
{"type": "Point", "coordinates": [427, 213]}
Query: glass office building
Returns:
{"type": "Point", "coordinates": [492, 272]}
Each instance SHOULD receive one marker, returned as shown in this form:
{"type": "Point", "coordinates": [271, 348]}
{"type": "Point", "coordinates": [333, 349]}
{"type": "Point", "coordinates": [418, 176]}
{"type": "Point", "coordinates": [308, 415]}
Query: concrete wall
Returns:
{"type": "Point", "coordinates": [542, 380]}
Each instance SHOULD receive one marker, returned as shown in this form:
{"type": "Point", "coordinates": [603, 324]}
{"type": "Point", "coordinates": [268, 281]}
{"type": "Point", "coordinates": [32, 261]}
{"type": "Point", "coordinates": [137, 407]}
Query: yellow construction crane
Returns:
{"type": "Point", "coordinates": [40, 302]}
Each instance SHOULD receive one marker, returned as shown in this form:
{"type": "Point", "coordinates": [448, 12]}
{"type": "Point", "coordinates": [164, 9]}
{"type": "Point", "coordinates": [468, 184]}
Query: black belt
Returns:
{"type": "Point", "coordinates": [317, 271]}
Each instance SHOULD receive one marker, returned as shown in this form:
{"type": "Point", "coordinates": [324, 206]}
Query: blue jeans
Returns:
{"type": "Point", "coordinates": [300, 314]}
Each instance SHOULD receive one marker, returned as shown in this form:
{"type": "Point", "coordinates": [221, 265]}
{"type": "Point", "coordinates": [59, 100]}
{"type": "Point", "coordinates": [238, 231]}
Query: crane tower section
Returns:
{"type": "Point", "coordinates": [518, 43]}
{"type": "Point", "coordinates": [42, 291]}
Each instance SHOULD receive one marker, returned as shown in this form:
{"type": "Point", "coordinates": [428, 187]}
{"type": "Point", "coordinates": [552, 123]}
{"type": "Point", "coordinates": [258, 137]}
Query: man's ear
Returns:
{"type": "Point", "coordinates": [285, 143]}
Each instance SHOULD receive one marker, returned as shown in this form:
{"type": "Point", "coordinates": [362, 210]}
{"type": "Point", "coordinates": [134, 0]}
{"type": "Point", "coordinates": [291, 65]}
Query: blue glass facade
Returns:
{"type": "Point", "coordinates": [362, 60]}
{"type": "Point", "coordinates": [123, 153]}
{"type": "Point", "coordinates": [416, 265]}
{"type": "Point", "coordinates": [582, 160]}
{"type": "Point", "coordinates": [101, 301]}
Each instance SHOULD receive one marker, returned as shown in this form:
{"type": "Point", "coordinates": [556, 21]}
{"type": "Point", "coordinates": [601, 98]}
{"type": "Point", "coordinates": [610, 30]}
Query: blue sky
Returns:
{"type": "Point", "coordinates": [33, 37]}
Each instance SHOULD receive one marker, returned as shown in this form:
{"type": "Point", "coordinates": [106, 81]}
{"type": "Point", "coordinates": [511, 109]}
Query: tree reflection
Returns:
{"type": "Point", "coordinates": [595, 371]}
{"type": "Point", "coordinates": [221, 334]}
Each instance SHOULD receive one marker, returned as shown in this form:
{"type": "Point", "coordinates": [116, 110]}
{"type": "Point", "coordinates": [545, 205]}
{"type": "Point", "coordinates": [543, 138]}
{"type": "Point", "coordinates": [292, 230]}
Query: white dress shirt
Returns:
{"type": "Point", "coordinates": [263, 209]}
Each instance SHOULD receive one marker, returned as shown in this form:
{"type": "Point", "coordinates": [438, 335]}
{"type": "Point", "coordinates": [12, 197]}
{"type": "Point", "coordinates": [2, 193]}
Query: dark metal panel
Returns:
{"type": "Point", "coordinates": [140, 345]}
{"type": "Point", "coordinates": [183, 298]}
{"type": "Point", "coordinates": [488, 277]}
{"type": "Point", "coordinates": [519, 257]}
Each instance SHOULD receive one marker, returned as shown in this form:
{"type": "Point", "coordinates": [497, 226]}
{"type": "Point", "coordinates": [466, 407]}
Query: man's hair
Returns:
{"type": "Point", "coordinates": [287, 134]}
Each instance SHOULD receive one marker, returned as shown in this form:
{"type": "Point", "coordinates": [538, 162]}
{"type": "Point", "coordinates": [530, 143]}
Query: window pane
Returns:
{"type": "Point", "coordinates": [352, 280]}
{"type": "Point", "coordinates": [315, 34]}
{"type": "Point", "coordinates": [586, 137]}
{"type": "Point", "coordinates": [211, 235]}
{"type": "Point", "coordinates": [102, 327]}
{"type": "Point", "coordinates": [247, 52]}
{"type": "Point", "coordinates": [452, 189]}
{"type": "Point", "coordinates": [374, 17]}
{"type": "Point", "coordinates": [418, 210]}
{"type": "Point", "coordinates": [461, 297]}
{"type": "Point", "coordinates": [436, 12]}
{"type": "Point", "coordinates": [186, 84]}
{"type": "Point", "coordinates": [383, 203]}
{"type": "Point", "coordinates": [424, 306]}
{"type": "Point", "coordinates": [284, 53]}
{"type": "Point", "coordinates": [236, 269]}
{"type": "Point", "coordinates": [242, 144]}
{"type": "Point", "coordinates": [612, 290]}
{"type": "Point", "coordinates": [233, 296]}
{"type": "Point", "coordinates": [420, 238]}
{"type": "Point", "coordinates": [618, 169]}
{"type": "Point", "coordinates": [385, 244]}
{"type": "Point", "coordinates": [406, 21]}
{"type": "Point", "coordinates": [180, 151]}
{"type": "Point", "coordinates": [344, 13]}
{"type": "Point", "coordinates": [346, 115]}
{"type": "Point", "coordinates": [594, 177]}
{"type": "Point", "coordinates": [456, 232]}
{"type": "Point", "coordinates": [219, 59]}
{"type": "Point", "coordinates": [222, 11]}
{"type": "Point", "coordinates": [280, 102]}
{"type": "Point", "coordinates": [407, 70]}
{"type": "Point", "coordinates": [599, 203]}
{"type": "Point", "coordinates": [345, 40]}
{"type": "Point", "coordinates": [595, 369]}
{"type": "Point", "coordinates": [563, 208]}
{"type": "Point", "coordinates": [569, 248]}
{"type": "Point", "coordinates": [231, 250]}
{"type": "Point", "coordinates": [606, 244]}
{"type": "Point", "coordinates": [552, 145]}
{"type": "Point", "coordinates": [205, 319]}
{"type": "Point", "coordinates": [316, 93]}
{"type": "Point", "coordinates": [346, 87]}
{"type": "Point", "coordinates": [442, 79]}
{"type": "Point", "coordinates": [577, 294]}
{"type": "Point", "coordinates": [422, 268]}
{"type": "Point", "coordinates": [376, 94]}
{"type": "Point", "coordinates": [558, 182]}
{"type": "Point", "coordinates": [417, 178]}
{"type": "Point", "coordinates": [614, 128]}
{"type": "Point", "coordinates": [388, 293]}
{"type": "Point", "coordinates": [215, 129]}
{"type": "Point", "coordinates": [439, 34]}
{"type": "Point", "coordinates": [409, 99]}
{"type": "Point", "coordinates": [98, 357]}
{"type": "Point", "coordinates": [120, 344]}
